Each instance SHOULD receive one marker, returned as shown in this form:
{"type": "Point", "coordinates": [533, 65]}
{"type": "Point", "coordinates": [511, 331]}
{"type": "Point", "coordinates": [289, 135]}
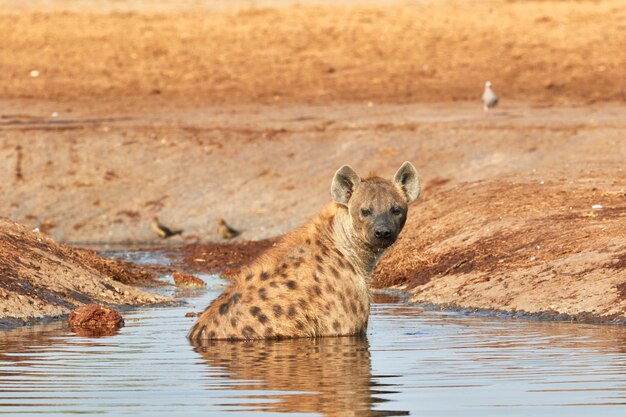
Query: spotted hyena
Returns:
{"type": "Point", "coordinates": [314, 283]}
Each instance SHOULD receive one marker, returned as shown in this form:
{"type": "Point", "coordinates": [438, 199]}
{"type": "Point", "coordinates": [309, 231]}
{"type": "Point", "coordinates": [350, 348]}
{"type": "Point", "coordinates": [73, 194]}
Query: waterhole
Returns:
{"type": "Point", "coordinates": [412, 362]}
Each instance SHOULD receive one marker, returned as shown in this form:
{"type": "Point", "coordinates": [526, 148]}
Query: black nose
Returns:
{"type": "Point", "coordinates": [382, 233]}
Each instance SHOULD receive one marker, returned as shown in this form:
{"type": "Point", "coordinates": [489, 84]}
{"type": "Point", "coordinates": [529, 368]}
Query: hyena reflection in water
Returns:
{"type": "Point", "coordinates": [314, 283]}
{"type": "Point", "coordinates": [328, 376]}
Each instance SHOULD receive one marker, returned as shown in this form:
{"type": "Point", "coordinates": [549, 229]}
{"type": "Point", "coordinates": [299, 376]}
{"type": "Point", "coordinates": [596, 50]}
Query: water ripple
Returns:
{"type": "Point", "coordinates": [413, 362]}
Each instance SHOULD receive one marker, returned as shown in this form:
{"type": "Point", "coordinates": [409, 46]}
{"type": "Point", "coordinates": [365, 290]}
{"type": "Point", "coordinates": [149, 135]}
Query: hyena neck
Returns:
{"type": "Point", "coordinates": [362, 256]}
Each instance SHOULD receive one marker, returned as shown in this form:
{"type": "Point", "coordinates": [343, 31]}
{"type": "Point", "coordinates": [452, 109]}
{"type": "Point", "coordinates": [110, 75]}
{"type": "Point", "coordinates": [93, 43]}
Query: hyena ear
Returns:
{"type": "Point", "coordinates": [344, 184]}
{"type": "Point", "coordinates": [408, 180]}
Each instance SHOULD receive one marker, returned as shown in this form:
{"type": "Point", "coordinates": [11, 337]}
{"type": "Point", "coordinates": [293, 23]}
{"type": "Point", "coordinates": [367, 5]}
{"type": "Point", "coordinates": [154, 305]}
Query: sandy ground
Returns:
{"type": "Point", "coordinates": [426, 51]}
{"type": "Point", "coordinates": [107, 117]}
{"type": "Point", "coordinates": [267, 169]}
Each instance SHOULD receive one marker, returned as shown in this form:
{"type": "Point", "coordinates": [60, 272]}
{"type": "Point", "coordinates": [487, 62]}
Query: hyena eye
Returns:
{"type": "Point", "coordinates": [396, 211]}
{"type": "Point", "coordinates": [365, 212]}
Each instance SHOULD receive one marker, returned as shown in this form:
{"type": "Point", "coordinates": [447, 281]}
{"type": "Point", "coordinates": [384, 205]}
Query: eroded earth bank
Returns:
{"type": "Point", "coordinates": [42, 280]}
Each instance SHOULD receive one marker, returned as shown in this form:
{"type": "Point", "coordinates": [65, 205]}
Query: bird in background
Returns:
{"type": "Point", "coordinates": [163, 231]}
{"type": "Point", "coordinates": [225, 230]}
{"type": "Point", "coordinates": [489, 98]}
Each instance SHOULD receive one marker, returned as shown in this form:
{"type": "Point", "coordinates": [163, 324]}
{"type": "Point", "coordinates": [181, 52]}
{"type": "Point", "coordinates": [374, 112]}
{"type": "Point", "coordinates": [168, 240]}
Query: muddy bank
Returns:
{"type": "Point", "coordinates": [227, 258]}
{"type": "Point", "coordinates": [554, 247]}
{"type": "Point", "coordinates": [40, 279]}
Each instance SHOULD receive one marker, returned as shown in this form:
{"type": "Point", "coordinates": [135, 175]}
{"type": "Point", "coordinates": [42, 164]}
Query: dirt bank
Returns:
{"type": "Point", "coordinates": [513, 245]}
{"type": "Point", "coordinates": [40, 279]}
{"type": "Point", "coordinates": [434, 51]}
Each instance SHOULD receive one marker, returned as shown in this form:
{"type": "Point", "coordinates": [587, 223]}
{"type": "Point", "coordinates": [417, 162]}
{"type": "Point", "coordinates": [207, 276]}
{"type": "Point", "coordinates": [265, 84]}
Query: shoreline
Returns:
{"type": "Point", "coordinates": [245, 253]}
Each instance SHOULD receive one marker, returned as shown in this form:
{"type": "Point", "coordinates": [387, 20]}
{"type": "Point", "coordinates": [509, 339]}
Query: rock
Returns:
{"type": "Point", "coordinates": [187, 281]}
{"type": "Point", "coordinates": [96, 318]}
{"type": "Point", "coordinates": [191, 314]}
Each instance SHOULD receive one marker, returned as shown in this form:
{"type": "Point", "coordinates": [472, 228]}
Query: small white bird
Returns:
{"type": "Point", "coordinates": [489, 98]}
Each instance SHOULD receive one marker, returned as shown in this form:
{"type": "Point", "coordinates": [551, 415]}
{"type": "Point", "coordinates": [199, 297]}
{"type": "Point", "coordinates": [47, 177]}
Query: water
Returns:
{"type": "Point", "coordinates": [141, 257]}
{"type": "Point", "coordinates": [413, 362]}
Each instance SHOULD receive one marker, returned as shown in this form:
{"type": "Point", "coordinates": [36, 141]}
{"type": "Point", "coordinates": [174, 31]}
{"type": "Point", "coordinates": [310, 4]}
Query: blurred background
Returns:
{"type": "Point", "coordinates": [112, 112]}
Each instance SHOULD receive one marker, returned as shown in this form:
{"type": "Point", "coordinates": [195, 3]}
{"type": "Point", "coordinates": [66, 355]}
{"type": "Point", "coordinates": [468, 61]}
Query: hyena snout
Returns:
{"type": "Point", "coordinates": [384, 234]}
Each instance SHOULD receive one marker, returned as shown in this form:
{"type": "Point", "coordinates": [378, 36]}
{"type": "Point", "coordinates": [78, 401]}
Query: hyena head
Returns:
{"type": "Point", "coordinates": [377, 207]}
